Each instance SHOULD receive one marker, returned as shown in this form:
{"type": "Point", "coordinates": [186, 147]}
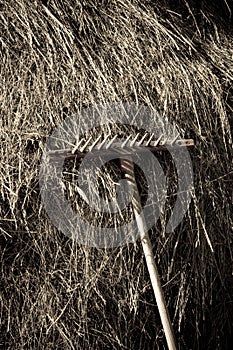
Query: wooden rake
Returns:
{"type": "Point", "coordinates": [106, 145]}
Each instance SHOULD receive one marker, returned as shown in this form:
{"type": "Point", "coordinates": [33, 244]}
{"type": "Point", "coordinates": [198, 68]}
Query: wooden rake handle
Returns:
{"type": "Point", "coordinates": [127, 167]}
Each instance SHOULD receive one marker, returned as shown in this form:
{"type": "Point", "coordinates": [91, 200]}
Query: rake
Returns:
{"type": "Point", "coordinates": [106, 145]}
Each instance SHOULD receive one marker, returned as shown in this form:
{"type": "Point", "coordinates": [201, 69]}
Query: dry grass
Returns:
{"type": "Point", "coordinates": [56, 59]}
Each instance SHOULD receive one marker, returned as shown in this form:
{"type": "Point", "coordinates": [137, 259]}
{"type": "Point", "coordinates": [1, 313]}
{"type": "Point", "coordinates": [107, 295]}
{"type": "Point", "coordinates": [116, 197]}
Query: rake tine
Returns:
{"type": "Point", "coordinates": [85, 145]}
{"type": "Point", "coordinates": [149, 141]}
{"type": "Point", "coordinates": [132, 143]}
{"type": "Point", "coordinates": [94, 143]}
{"type": "Point", "coordinates": [77, 146]}
{"type": "Point", "coordinates": [103, 142]}
{"type": "Point", "coordinates": [175, 139]}
{"type": "Point", "coordinates": [111, 142]}
{"type": "Point", "coordinates": [142, 139]}
{"type": "Point", "coordinates": [126, 141]}
{"type": "Point", "coordinates": [157, 141]}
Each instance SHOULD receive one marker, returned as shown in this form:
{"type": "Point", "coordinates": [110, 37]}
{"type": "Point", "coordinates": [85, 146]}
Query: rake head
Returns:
{"type": "Point", "coordinates": [108, 143]}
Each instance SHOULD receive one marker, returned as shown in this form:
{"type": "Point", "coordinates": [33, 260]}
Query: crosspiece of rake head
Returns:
{"type": "Point", "coordinates": [107, 144]}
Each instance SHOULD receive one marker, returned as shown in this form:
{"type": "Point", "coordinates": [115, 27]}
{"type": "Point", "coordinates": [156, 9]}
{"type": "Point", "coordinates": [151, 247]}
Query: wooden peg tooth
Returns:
{"type": "Point", "coordinates": [94, 143]}
{"type": "Point", "coordinates": [85, 145]}
{"type": "Point", "coordinates": [126, 141]}
{"type": "Point", "coordinates": [111, 142]}
{"type": "Point", "coordinates": [132, 143]}
{"type": "Point", "coordinates": [104, 142]}
{"type": "Point", "coordinates": [77, 146]}
{"type": "Point", "coordinates": [142, 139]}
{"type": "Point", "coordinates": [157, 141]}
{"type": "Point", "coordinates": [174, 140]}
{"type": "Point", "coordinates": [149, 141]}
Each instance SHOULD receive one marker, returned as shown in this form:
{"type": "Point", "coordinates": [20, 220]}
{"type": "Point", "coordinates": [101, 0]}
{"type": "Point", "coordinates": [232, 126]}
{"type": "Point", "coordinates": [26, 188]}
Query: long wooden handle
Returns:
{"type": "Point", "coordinates": [128, 168]}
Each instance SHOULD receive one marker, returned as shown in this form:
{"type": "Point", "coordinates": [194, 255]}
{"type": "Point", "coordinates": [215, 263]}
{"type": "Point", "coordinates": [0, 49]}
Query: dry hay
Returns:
{"type": "Point", "coordinates": [57, 58]}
